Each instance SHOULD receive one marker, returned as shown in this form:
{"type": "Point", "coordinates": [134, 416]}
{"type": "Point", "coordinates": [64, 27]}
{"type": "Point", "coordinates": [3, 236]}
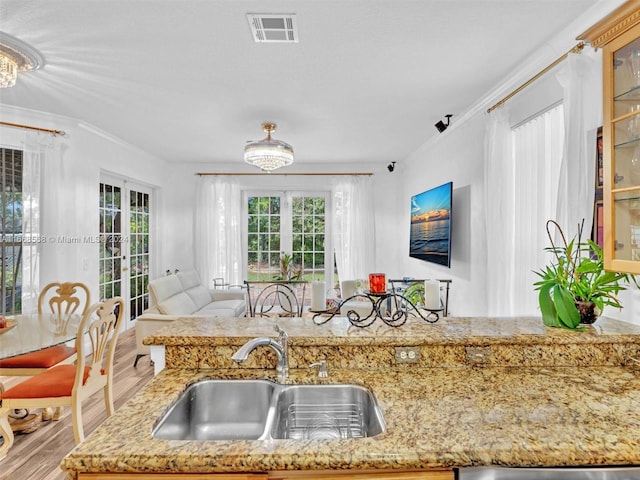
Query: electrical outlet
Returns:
{"type": "Point", "coordinates": [477, 355]}
{"type": "Point", "coordinates": [407, 354]}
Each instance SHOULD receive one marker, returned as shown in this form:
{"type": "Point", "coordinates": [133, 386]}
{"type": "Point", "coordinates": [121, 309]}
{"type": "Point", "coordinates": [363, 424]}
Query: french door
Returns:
{"type": "Point", "coordinates": [125, 218]}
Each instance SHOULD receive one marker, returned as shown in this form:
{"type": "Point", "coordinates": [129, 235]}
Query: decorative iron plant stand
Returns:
{"type": "Point", "coordinates": [391, 307]}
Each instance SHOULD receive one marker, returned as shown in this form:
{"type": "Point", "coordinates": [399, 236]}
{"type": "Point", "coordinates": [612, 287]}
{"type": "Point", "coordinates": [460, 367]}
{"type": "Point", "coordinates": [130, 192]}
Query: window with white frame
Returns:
{"type": "Point", "coordinates": [293, 226]}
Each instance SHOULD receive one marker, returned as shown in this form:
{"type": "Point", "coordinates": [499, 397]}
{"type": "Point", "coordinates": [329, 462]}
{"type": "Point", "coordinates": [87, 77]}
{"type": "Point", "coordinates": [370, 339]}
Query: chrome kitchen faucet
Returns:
{"type": "Point", "coordinates": [281, 347]}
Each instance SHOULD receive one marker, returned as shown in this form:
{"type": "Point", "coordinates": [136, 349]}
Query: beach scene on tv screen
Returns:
{"type": "Point", "coordinates": [430, 222]}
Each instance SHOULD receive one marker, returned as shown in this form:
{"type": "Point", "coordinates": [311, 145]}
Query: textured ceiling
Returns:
{"type": "Point", "coordinates": [184, 80]}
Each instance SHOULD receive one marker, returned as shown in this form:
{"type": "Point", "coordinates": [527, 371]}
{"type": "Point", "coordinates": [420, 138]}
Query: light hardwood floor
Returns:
{"type": "Point", "coordinates": [36, 456]}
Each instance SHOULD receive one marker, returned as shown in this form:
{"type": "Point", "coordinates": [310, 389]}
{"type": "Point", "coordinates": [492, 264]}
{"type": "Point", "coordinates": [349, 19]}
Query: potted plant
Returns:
{"type": "Point", "coordinates": [288, 270]}
{"type": "Point", "coordinates": [415, 293]}
{"type": "Point", "coordinates": [575, 288]}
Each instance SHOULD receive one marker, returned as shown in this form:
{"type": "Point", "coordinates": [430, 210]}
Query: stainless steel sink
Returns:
{"type": "Point", "coordinates": [262, 410]}
{"type": "Point", "coordinates": [326, 412]}
{"type": "Point", "coordinates": [218, 410]}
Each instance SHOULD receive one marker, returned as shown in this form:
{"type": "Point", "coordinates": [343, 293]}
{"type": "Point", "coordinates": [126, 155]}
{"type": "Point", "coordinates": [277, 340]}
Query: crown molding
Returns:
{"type": "Point", "coordinates": [613, 25]}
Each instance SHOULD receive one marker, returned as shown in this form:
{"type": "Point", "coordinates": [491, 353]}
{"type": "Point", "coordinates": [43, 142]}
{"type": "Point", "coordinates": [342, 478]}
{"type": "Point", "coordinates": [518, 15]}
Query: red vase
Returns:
{"type": "Point", "coordinates": [377, 283]}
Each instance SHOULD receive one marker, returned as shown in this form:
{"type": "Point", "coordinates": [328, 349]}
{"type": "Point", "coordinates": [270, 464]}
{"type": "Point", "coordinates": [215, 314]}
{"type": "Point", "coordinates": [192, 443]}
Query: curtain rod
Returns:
{"type": "Point", "coordinates": [204, 174]}
{"type": "Point", "coordinates": [577, 49]}
{"type": "Point", "coordinates": [29, 127]}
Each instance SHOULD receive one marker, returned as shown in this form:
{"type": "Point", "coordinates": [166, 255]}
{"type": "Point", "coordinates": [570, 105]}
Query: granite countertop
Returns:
{"type": "Point", "coordinates": [448, 330]}
{"type": "Point", "coordinates": [438, 417]}
{"type": "Point", "coordinates": [571, 399]}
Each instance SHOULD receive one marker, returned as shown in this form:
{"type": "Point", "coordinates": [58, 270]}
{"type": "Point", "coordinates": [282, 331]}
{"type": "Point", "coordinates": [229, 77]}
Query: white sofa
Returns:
{"type": "Point", "coordinates": [180, 295]}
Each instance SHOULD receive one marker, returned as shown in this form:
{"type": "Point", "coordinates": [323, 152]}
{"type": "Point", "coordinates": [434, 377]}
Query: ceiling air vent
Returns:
{"type": "Point", "coordinates": [273, 28]}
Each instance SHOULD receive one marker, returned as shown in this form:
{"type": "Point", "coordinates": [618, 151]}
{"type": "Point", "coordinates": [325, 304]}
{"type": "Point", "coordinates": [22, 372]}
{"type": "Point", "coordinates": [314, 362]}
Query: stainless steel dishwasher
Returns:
{"type": "Point", "coordinates": [578, 473]}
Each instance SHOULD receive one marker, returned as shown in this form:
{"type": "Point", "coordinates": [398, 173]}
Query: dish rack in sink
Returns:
{"type": "Point", "coordinates": [324, 422]}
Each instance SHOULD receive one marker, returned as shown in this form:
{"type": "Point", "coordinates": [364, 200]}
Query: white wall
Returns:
{"type": "Point", "coordinates": [455, 155]}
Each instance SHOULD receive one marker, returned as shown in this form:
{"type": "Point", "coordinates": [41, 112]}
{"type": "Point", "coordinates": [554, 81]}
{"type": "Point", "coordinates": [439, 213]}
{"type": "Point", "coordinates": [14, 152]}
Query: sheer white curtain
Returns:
{"type": "Point", "coordinates": [544, 169]}
{"type": "Point", "coordinates": [42, 186]}
{"type": "Point", "coordinates": [522, 167]}
{"type": "Point", "coordinates": [538, 146]}
{"type": "Point", "coordinates": [582, 84]}
{"type": "Point", "coordinates": [499, 217]}
{"type": "Point", "coordinates": [218, 229]}
{"type": "Point", "coordinates": [353, 227]}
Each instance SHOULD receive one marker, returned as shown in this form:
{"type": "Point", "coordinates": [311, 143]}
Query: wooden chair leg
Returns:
{"type": "Point", "coordinates": [5, 432]}
{"type": "Point", "coordinates": [76, 419]}
{"type": "Point", "coordinates": [57, 414]}
{"type": "Point", "coordinates": [108, 399]}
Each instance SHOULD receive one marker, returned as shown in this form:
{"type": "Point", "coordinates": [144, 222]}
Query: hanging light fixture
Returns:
{"type": "Point", "coordinates": [16, 56]}
{"type": "Point", "coordinates": [8, 71]}
{"type": "Point", "coordinates": [268, 153]}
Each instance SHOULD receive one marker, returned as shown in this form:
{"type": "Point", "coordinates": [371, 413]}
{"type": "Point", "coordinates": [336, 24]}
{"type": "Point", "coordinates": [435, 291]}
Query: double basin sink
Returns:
{"type": "Point", "coordinates": [264, 410]}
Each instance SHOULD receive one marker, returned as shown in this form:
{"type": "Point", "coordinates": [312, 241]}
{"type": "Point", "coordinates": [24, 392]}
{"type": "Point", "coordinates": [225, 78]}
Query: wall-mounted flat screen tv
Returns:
{"type": "Point", "coordinates": [430, 236]}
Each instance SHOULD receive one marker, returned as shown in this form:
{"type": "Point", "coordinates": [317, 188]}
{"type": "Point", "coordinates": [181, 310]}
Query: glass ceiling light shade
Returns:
{"type": "Point", "coordinates": [8, 71]}
{"type": "Point", "coordinates": [16, 56]}
{"type": "Point", "coordinates": [268, 154]}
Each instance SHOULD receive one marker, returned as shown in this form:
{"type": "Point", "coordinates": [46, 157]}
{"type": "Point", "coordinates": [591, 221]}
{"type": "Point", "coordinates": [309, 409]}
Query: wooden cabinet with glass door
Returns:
{"type": "Point", "coordinates": [619, 37]}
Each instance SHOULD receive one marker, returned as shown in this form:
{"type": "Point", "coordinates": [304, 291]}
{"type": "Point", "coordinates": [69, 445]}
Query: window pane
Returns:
{"type": "Point", "coordinates": [275, 205]}
{"type": "Point", "coordinates": [308, 225]}
{"type": "Point", "coordinates": [252, 242]}
{"type": "Point", "coordinates": [297, 242]}
{"type": "Point", "coordinates": [308, 260]}
{"type": "Point", "coordinates": [252, 205]}
{"type": "Point", "coordinates": [11, 247]}
{"type": "Point", "coordinates": [296, 206]}
{"type": "Point", "coordinates": [307, 244]}
{"type": "Point", "coordinates": [263, 224]}
{"type": "Point", "coordinates": [308, 205]}
{"type": "Point", "coordinates": [253, 223]}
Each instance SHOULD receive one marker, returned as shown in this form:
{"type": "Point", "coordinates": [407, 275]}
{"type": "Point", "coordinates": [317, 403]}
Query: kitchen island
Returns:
{"type": "Point", "coordinates": [481, 392]}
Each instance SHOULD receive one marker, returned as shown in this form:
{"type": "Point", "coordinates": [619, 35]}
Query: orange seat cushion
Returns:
{"type": "Point", "coordinates": [45, 358]}
{"type": "Point", "coordinates": [55, 382]}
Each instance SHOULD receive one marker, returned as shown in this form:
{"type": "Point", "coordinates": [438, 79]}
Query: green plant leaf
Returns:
{"type": "Point", "coordinates": [548, 310]}
{"type": "Point", "coordinates": [568, 314]}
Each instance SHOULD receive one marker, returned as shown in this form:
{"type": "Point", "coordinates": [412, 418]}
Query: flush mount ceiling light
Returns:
{"type": "Point", "coordinates": [268, 154]}
{"type": "Point", "coordinates": [441, 126]}
{"type": "Point", "coordinates": [16, 56]}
